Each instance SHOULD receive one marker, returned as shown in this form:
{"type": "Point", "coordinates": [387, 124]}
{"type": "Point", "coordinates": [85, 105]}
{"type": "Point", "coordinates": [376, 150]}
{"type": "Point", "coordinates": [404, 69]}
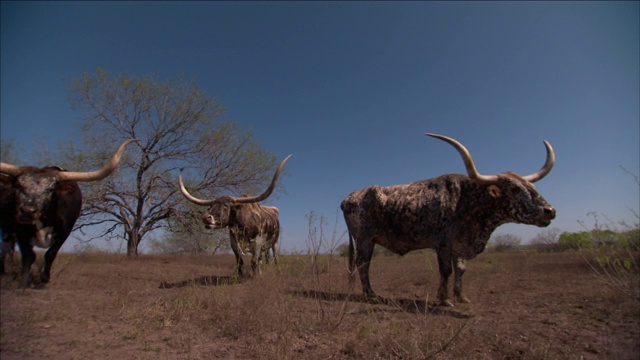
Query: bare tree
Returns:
{"type": "Point", "coordinates": [546, 237]}
{"type": "Point", "coordinates": [503, 242]}
{"type": "Point", "coordinates": [7, 151]}
{"type": "Point", "coordinates": [179, 130]}
{"type": "Point", "coordinates": [185, 233]}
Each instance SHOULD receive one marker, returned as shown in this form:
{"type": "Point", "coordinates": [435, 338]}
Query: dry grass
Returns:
{"type": "Point", "coordinates": [526, 306]}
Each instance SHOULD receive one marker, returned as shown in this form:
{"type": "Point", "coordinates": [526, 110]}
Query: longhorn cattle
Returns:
{"type": "Point", "coordinates": [39, 207]}
{"type": "Point", "coordinates": [253, 228]}
{"type": "Point", "coordinates": [452, 214]}
{"type": "Point", "coordinates": [7, 209]}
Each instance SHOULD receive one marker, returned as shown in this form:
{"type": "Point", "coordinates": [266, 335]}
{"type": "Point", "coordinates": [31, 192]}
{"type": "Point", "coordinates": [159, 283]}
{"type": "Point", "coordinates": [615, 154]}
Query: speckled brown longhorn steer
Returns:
{"type": "Point", "coordinates": [39, 206]}
{"type": "Point", "coordinates": [253, 228]}
{"type": "Point", "coordinates": [453, 214]}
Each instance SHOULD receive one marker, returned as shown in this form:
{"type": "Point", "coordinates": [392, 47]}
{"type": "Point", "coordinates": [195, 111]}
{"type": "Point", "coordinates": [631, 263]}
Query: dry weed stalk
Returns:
{"type": "Point", "coordinates": [316, 243]}
{"type": "Point", "coordinates": [619, 271]}
{"type": "Point", "coordinates": [614, 265]}
{"type": "Point", "coordinates": [448, 342]}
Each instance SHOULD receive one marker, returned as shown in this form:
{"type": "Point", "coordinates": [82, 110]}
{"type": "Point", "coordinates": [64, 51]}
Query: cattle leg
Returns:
{"type": "Point", "coordinates": [7, 249]}
{"type": "Point", "coordinates": [458, 271]}
{"type": "Point", "coordinates": [28, 258]}
{"type": "Point", "coordinates": [3, 255]}
{"type": "Point", "coordinates": [238, 254]}
{"type": "Point", "coordinates": [274, 249]}
{"type": "Point", "coordinates": [352, 265]}
{"type": "Point", "coordinates": [364, 252]}
{"type": "Point", "coordinates": [255, 259]}
{"type": "Point", "coordinates": [49, 257]}
{"type": "Point", "coordinates": [444, 265]}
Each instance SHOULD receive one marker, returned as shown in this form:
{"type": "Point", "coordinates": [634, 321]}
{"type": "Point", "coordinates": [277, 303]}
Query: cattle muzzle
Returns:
{"type": "Point", "coordinates": [210, 222]}
{"type": "Point", "coordinates": [548, 214]}
{"type": "Point", "coordinates": [27, 214]}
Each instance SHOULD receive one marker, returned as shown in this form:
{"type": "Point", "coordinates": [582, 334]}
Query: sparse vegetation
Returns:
{"type": "Point", "coordinates": [613, 254]}
{"type": "Point", "coordinates": [575, 241]}
{"type": "Point", "coordinates": [504, 242]}
{"type": "Point", "coordinates": [103, 305]}
{"type": "Point", "coordinates": [295, 311]}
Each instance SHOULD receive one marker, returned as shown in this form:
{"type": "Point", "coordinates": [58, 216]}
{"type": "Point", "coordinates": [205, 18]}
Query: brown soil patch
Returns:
{"type": "Point", "coordinates": [525, 306]}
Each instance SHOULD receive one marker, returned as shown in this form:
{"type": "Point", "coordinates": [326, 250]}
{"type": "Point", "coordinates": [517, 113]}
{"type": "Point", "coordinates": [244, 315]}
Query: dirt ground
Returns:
{"type": "Point", "coordinates": [525, 305]}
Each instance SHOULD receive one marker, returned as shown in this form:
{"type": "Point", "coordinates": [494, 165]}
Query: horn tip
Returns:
{"type": "Point", "coordinates": [438, 136]}
{"type": "Point", "coordinates": [435, 135]}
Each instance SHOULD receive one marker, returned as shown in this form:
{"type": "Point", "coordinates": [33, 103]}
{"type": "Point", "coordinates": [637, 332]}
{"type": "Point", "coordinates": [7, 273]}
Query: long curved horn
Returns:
{"type": "Point", "coordinates": [9, 169]}
{"type": "Point", "coordinates": [190, 197]}
{"type": "Point", "coordinates": [468, 161]}
{"type": "Point", "coordinates": [546, 168]}
{"type": "Point", "coordinates": [106, 170]}
{"type": "Point", "coordinates": [13, 170]}
{"type": "Point", "coordinates": [251, 199]}
{"type": "Point", "coordinates": [248, 199]}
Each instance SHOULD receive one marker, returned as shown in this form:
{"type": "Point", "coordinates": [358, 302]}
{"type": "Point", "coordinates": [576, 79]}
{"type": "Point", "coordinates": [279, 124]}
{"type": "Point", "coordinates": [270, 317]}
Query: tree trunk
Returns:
{"type": "Point", "coordinates": [132, 244]}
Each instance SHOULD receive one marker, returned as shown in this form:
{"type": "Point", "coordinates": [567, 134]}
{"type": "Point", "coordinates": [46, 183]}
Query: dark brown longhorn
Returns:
{"type": "Point", "coordinates": [39, 207]}
{"type": "Point", "coordinates": [453, 214]}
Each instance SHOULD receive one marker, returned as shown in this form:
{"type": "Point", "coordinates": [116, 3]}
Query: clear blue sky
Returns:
{"type": "Point", "coordinates": [350, 88]}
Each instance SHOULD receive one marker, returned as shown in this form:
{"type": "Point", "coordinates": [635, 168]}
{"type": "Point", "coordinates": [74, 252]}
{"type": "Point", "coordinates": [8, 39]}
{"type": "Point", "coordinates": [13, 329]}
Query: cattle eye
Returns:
{"type": "Point", "coordinates": [494, 191]}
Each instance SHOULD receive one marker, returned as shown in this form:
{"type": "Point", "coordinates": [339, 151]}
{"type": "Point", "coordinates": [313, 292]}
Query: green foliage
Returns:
{"type": "Point", "coordinates": [575, 241]}
{"type": "Point", "coordinates": [617, 268]}
{"type": "Point", "coordinates": [597, 238]}
{"type": "Point", "coordinates": [630, 239]}
{"type": "Point", "coordinates": [615, 259]}
{"type": "Point", "coordinates": [622, 263]}
{"type": "Point", "coordinates": [604, 237]}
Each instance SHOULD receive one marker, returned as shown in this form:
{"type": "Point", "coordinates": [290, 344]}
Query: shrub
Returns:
{"type": "Point", "coordinates": [630, 240]}
{"type": "Point", "coordinates": [504, 242]}
{"type": "Point", "coordinates": [575, 241]}
{"type": "Point", "coordinates": [617, 268]}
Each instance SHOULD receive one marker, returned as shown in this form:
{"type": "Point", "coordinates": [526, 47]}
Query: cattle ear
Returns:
{"type": "Point", "coordinates": [5, 181]}
{"type": "Point", "coordinates": [65, 189]}
{"type": "Point", "coordinates": [494, 191]}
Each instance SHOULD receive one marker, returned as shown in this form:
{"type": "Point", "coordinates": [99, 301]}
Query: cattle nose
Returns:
{"type": "Point", "coordinates": [28, 210]}
{"type": "Point", "coordinates": [27, 214]}
{"type": "Point", "coordinates": [549, 212]}
{"type": "Point", "coordinates": [209, 220]}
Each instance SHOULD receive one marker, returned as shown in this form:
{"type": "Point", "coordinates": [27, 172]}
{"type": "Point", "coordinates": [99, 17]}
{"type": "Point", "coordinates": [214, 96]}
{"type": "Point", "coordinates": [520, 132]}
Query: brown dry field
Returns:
{"type": "Point", "coordinates": [525, 305]}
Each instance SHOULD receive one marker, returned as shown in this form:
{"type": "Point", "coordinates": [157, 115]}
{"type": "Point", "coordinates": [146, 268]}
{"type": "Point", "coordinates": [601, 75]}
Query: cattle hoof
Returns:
{"type": "Point", "coordinates": [373, 298]}
{"type": "Point", "coordinates": [463, 300]}
{"type": "Point", "coordinates": [446, 303]}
